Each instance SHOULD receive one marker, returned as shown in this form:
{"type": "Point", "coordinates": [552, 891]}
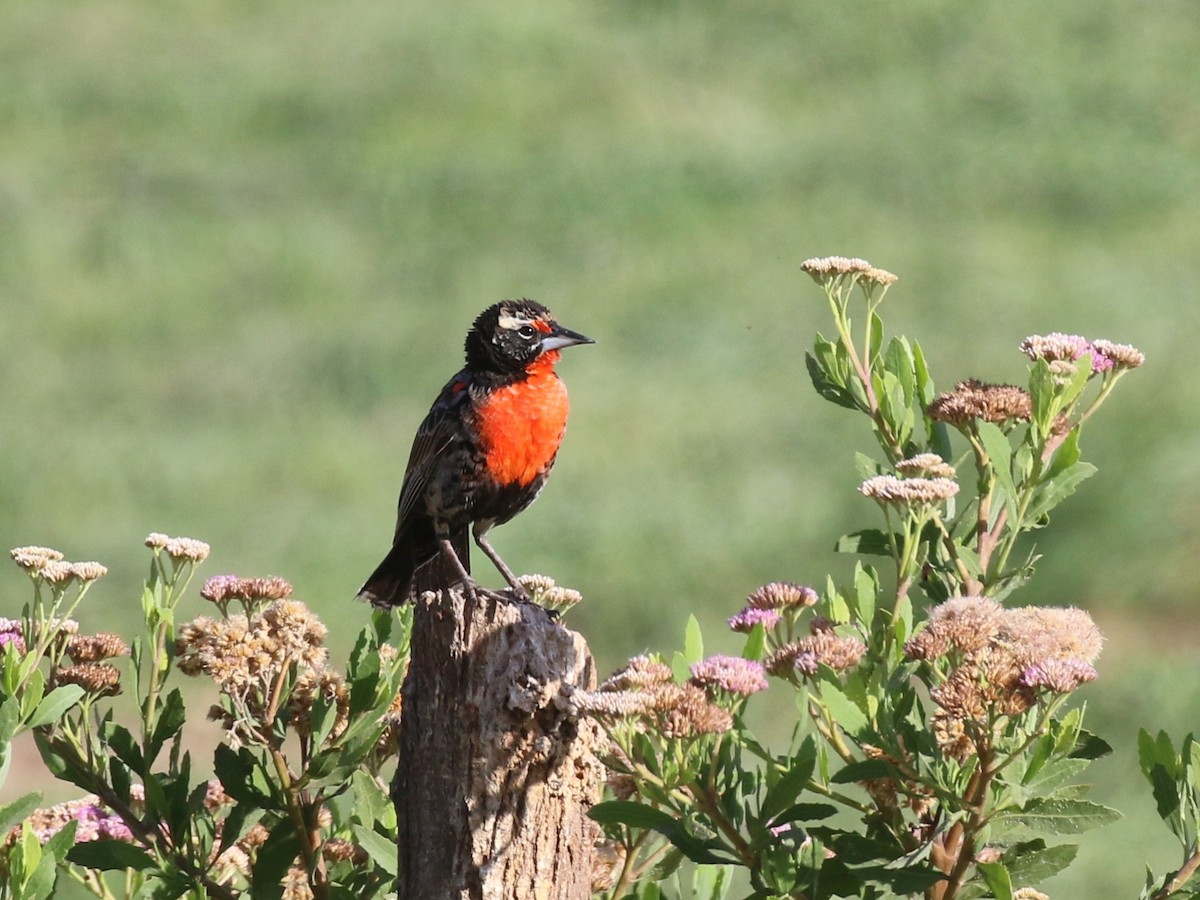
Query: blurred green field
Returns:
{"type": "Point", "coordinates": [240, 245]}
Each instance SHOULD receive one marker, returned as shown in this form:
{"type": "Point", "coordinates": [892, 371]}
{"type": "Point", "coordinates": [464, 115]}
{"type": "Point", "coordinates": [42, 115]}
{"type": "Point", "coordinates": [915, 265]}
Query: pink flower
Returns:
{"type": "Point", "coordinates": [730, 673]}
{"type": "Point", "coordinates": [745, 621]}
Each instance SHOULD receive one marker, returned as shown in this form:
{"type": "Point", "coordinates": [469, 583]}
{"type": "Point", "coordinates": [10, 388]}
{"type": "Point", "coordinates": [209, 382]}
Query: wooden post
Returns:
{"type": "Point", "coordinates": [496, 774]}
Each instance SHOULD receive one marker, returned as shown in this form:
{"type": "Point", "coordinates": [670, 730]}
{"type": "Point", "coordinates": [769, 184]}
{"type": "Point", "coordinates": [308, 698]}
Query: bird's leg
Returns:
{"type": "Point", "coordinates": [480, 535]}
{"type": "Point", "coordinates": [471, 587]}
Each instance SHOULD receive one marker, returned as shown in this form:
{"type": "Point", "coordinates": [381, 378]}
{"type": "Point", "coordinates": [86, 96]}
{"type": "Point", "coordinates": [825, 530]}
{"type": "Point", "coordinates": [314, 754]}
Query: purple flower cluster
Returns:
{"type": "Point", "coordinates": [745, 621]}
{"type": "Point", "coordinates": [11, 632]}
{"type": "Point", "coordinates": [730, 673]}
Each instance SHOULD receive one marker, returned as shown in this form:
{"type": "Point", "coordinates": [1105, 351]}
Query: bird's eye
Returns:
{"type": "Point", "coordinates": [526, 331]}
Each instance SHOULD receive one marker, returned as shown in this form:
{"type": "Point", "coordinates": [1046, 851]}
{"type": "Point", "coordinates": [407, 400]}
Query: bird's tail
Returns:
{"type": "Point", "coordinates": [415, 564]}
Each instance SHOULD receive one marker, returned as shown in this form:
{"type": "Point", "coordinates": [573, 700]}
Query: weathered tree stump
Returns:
{"type": "Point", "coordinates": [496, 772]}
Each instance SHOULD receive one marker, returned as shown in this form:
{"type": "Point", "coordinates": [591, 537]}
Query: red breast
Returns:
{"type": "Point", "coordinates": [522, 424]}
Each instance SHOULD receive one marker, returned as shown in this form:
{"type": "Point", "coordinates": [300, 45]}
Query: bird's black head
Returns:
{"type": "Point", "coordinates": [511, 335]}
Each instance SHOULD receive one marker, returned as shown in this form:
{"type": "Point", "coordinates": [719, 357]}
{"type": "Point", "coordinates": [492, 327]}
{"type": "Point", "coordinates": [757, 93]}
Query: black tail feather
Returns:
{"type": "Point", "coordinates": [412, 567]}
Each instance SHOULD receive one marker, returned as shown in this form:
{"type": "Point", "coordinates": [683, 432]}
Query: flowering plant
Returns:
{"type": "Point", "coordinates": [297, 806]}
{"type": "Point", "coordinates": [936, 753]}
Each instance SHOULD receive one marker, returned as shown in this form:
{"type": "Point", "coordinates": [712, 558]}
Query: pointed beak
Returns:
{"type": "Point", "coordinates": [561, 337]}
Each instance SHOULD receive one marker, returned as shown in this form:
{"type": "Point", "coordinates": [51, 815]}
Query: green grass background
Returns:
{"type": "Point", "coordinates": [240, 244]}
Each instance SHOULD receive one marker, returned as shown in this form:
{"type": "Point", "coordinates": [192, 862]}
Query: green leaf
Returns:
{"type": "Point", "coordinates": [1054, 774]}
{"type": "Point", "coordinates": [13, 812]}
{"type": "Point", "coordinates": [804, 812]}
{"type": "Point", "coordinates": [1066, 455]}
{"type": "Point", "coordinates": [1089, 746]}
{"type": "Point", "coordinates": [867, 542]}
{"type": "Point", "coordinates": [999, 451]}
{"type": "Point", "coordinates": [863, 770]}
{"type": "Point", "coordinates": [638, 815]}
{"type": "Point", "coordinates": [235, 769]}
{"type": "Point", "coordinates": [123, 746]}
{"type": "Point", "coordinates": [788, 788]}
{"type": "Point", "coordinates": [170, 718]}
{"type": "Point", "coordinates": [107, 854]}
{"type": "Point", "coordinates": [829, 385]}
{"type": "Point", "coordinates": [756, 643]}
{"type": "Point", "coordinates": [1032, 862]}
{"type": "Point", "coordinates": [996, 876]}
{"type": "Point", "coordinates": [1053, 816]}
{"type": "Point", "coordinates": [845, 712]}
{"type": "Point", "coordinates": [379, 848]}
{"type": "Point", "coordinates": [1052, 492]}
{"type": "Point", "coordinates": [866, 589]}
{"type": "Point", "coordinates": [711, 882]}
{"type": "Point", "coordinates": [899, 361]}
{"type": "Point", "coordinates": [274, 858]}
{"type": "Point", "coordinates": [55, 705]}
{"type": "Point", "coordinates": [631, 813]}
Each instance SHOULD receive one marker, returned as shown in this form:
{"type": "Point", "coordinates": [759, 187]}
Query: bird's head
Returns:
{"type": "Point", "coordinates": [512, 335]}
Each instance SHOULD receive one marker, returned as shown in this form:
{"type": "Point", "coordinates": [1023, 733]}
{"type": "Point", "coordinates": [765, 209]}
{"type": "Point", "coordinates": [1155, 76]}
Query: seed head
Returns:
{"type": "Point", "coordinates": [87, 648]}
{"type": "Point", "coordinates": [731, 674]}
{"type": "Point", "coordinates": [782, 595]}
{"type": "Point", "coordinates": [810, 653]}
{"type": "Point", "coordinates": [745, 621]}
{"type": "Point", "coordinates": [908, 491]}
{"type": "Point", "coordinates": [639, 672]}
{"type": "Point", "coordinates": [1064, 348]}
{"type": "Point", "coordinates": [546, 593]}
{"type": "Point", "coordinates": [97, 679]}
{"type": "Point", "coordinates": [1122, 356]}
{"type": "Point", "coordinates": [972, 399]}
{"type": "Point", "coordinates": [32, 559]}
{"type": "Point", "coordinates": [823, 269]}
{"type": "Point", "coordinates": [925, 465]}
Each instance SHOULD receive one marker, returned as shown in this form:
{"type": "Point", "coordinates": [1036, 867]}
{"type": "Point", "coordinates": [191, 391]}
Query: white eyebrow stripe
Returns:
{"type": "Point", "coordinates": [512, 323]}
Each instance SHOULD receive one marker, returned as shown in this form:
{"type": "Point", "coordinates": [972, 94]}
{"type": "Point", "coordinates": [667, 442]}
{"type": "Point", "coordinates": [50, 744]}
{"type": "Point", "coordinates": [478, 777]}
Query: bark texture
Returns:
{"type": "Point", "coordinates": [496, 771]}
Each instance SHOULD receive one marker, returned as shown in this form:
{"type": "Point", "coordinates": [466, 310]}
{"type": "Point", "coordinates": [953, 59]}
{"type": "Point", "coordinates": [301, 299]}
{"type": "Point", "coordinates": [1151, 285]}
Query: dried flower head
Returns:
{"type": "Point", "coordinates": [608, 859]}
{"type": "Point", "coordinates": [782, 595]}
{"type": "Point", "coordinates": [639, 672]}
{"type": "Point", "coordinates": [57, 572]}
{"type": "Point", "coordinates": [925, 465]}
{"type": "Point", "coordinates": [1008, 657]}
{"type": "Point", "coordinates": [731, 674]}
{"type": "Point", "coordinates": [908, 491]}
{"type": "Point", "coordinates": [92, 822]}
{"type": "Point", "coordinates": [972, 399]}
{"type": "Point", "coordinates": [189, 549]}
{"type": "Point", "coordinates": [1122, 356]}
{"type": "Point", "coordinates": [1063, 348]}
{"type": "Point", "coordinates": [745, 621]}
{"type": "Point", "coordinates": [617, 704]}
{"type": "Point", "coordinates": [546, 593]}
{"type": "Point", "coordinates": [97, 679]}
{"type": "Point", "coordinates": [310, 685]}
{"type": "Point", "coordinates": [342, 850]}
{"type": "Point", "coordinates": [32, 559]}
{"type": "Point", "coordinates": [826, 268]}
{"type": "Point", "coordinates": [220, 589]}
{"type": "Point", "coordinates": [805, 656]}
{"type": "Point", "coordinates": [686, 712]}
{"type": "Point", "coordinates": [964, 624]}
{"type": "Point", "coordinates": [1059, 676]}
{"type": "Point", "coordinates": [247, 655]}
{"type": "Point", "coordinates": [85, 648]}
{"type": "Point", "coordinates": [14, 638]}
{"type": "Point", "coordinates": [89, 571]}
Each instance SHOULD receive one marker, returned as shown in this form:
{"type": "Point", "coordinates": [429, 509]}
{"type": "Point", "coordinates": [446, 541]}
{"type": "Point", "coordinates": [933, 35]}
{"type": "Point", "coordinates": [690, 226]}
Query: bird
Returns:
{"type": "Point", "coordinates": [481, 455]}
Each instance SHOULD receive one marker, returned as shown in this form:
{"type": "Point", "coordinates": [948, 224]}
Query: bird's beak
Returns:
{"type": "Point", "coordinates": [560, 337]}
